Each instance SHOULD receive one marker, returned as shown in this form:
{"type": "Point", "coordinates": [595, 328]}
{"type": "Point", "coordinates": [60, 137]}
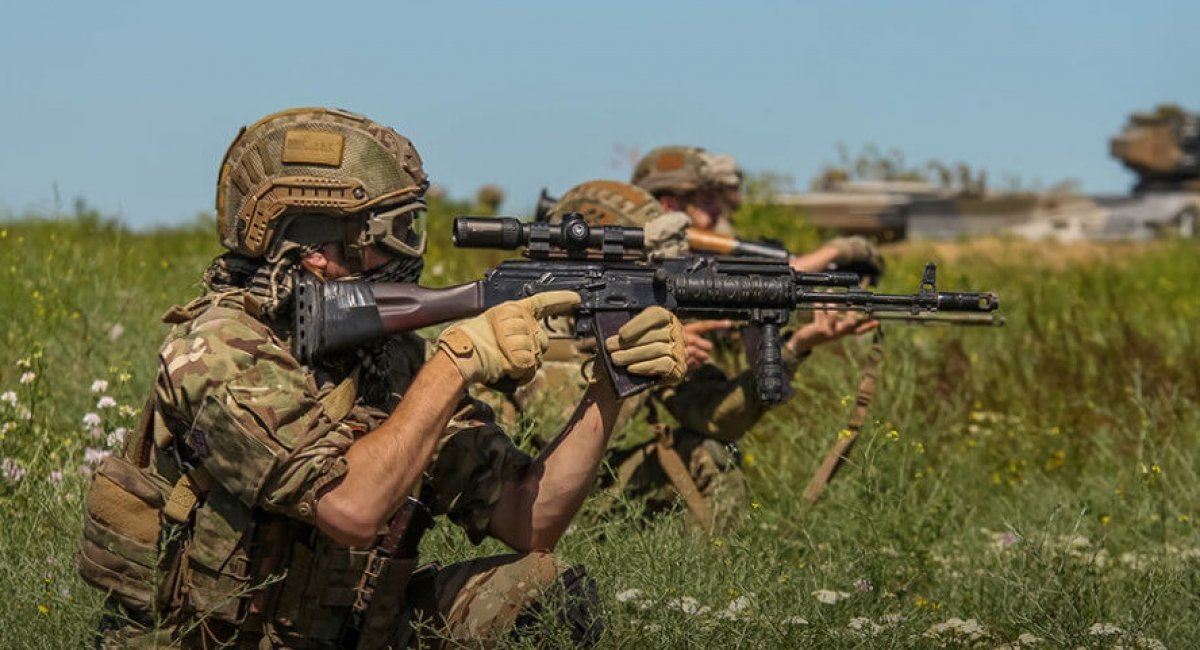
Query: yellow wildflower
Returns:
{"type": "Point", "coordinates": [1183, 519]}
{"type": "Point", "coordinates": [893, 435]}
{"type": "Point", "coordinates": [845, 434]}
{"type": "Point", "coordinates": [1105, 520]}
{"type": "Point", "coordinates": [42, 609]}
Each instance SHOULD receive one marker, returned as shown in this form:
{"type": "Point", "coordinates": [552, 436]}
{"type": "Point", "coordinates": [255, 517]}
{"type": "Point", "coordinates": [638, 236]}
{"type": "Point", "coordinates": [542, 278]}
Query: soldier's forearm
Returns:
{"type": "Point", "coordinates": [814, 262]}
{"type": "Point", "coordinates": [534, 513]}
{"type": "Point", "coordinates": [386, 463]}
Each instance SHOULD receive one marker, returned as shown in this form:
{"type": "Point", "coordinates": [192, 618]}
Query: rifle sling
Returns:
{"type": "Point", "coordinates": [862, 401]}
{"type": "Point", "coordinates": [677, 471]}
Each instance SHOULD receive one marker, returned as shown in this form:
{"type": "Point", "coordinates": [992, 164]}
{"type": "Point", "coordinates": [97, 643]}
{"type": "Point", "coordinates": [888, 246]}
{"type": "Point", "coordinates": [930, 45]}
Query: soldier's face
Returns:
{"type": "Point", "coordinates": [709, 207]}
{"type": "Point", "coordinates": [329, 262]}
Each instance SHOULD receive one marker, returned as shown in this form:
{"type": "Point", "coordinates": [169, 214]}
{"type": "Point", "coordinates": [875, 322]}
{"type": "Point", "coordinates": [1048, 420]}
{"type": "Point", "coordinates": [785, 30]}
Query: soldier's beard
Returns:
{"type": "Point", "coordinates": [400, 268]}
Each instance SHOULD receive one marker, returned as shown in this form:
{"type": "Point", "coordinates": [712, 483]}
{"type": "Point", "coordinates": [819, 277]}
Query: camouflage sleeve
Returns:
{"type": "Point", "coordinates": [247, 414]}
{"type": "Point", "coordinates": [473, 462]}
{"type": "Point", "coordinates": [717, 406]}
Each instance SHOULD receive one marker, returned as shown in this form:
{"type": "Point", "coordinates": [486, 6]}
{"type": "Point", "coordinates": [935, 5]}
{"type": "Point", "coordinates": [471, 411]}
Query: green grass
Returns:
{"type": "Point", "coordinates": [1038, 479]}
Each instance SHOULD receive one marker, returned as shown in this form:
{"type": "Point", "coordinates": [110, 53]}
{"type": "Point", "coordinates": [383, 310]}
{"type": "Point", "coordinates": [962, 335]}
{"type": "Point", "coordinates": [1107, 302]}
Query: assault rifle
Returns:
{"type": "Point", "coordinates": [602, 264]}
{"type": "Point", "coordinates": [707, 241]}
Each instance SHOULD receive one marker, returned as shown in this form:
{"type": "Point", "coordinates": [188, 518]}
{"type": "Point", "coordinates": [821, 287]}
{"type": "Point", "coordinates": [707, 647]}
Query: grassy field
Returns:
{"type": "Point", "coordinates": [1032, 486]}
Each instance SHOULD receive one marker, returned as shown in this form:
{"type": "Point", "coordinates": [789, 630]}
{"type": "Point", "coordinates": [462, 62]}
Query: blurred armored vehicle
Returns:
{"type": "Point", "coordinates": [1162, 148]}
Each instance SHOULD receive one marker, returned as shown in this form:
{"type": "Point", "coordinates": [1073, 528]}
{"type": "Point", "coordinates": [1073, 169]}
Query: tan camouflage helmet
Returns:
{"type": "Point", "coordinates": [608, 203]}
{"type": "Point", "coordinates": [316, 174]}
{"type": "Point", "coordinates": [680, 170]}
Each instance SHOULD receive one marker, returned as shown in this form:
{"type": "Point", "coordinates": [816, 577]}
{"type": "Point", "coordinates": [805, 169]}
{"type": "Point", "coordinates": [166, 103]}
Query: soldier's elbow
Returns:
{"type": "Point", "coordinates": [345, 523]}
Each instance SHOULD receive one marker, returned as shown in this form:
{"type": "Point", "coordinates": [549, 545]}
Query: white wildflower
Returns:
{"type": "Point", "coordinates": [861, 626]}
{"type": "Point", "coordinates": [116, 331]}
{"type": "Point", "coordinates": [795, 620]}
{"type": "Point", "coordinates": [736, 609]}
{"type": "Point", "coordinates": [863, 584]}
{"type": "Point", "coordinates": [28, 377]}
{"type": "Point", "coordinates": [93, 456]}
{"type": "Point", "coordinates": [1077, 541]}
{"type": "Point", "coordinates": [630, 595]}
{"type": "Point", "coordinates": [9, 397]}
{"type": "Point", "coordinates": [12, 471]}
{"type": "Point", "coordinates": [957, 628]}
{"type": "Point", "coordinates": [689, 606]}
{"type": "Point", "coordinates": [91, 419]}
{"type": "Point", "coordinates": [105, 402]}
{"type": "Point", "coordinates": [116, 438]}
{"type": "Point", "coordinates": [99, 386]}
{"type": "Point", "coordinates": [1104, 629]}
{"type": "Point", "coordinates": [827, 597]}
{"type": "Point", "coordinates": [55, 477]}
{"type": "Point", "coordinates": [96, 433]}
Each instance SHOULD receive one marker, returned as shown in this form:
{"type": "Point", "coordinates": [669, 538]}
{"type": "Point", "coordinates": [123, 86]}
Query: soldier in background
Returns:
{"type": "Point", "coordinates": [688, 454]}
{"type": "Point", "coordinates": [264, 503]}
{"type": "Point", "coordinates": [707, 187]}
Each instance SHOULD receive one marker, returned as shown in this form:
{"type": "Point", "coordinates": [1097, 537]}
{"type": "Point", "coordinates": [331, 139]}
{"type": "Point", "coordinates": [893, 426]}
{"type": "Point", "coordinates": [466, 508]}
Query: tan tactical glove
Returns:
{"type": "Point", "coordinates": [857, 252]}
{"type": "Point", "coordinates": [651, 343]}
{"type": "Point", "coordinates": [666, 235]}
{"type": "Point", "coordinates": [505, 341]}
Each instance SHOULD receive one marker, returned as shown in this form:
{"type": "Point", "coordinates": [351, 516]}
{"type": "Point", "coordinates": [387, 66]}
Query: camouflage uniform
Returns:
{"type": "Point", "coordinates": [202, 529]}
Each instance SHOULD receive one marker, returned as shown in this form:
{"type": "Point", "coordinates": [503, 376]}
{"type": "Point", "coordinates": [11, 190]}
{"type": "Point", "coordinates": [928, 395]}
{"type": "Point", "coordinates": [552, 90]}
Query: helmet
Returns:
{"type": "Point", "coordinates": [315, 175]}
{"type": "Point", "coordinates": [679, 170]}
{"type": "Point", "coordinates": [610, 203]}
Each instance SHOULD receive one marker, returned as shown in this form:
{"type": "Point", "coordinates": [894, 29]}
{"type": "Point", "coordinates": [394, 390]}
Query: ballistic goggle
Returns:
{"type": "Point", "coordinates": [399, 230]}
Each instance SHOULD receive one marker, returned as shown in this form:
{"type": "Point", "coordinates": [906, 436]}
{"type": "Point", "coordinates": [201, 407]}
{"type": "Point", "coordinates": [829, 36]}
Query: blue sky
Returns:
{"type": "Point", "coordinates": [130, 105]}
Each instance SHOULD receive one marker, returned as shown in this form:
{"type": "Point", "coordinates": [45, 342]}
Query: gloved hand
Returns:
{"type": "Point", "coordinates": [857, 254]}
{"type": "Point", "coordinates": [505, 341]}
{"type": "Point", "coordinates": [651, 343]}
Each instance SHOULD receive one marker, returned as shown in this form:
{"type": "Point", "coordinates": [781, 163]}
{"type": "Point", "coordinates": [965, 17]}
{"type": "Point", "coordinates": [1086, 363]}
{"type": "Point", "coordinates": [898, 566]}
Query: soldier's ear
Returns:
{"type": "Point", "coordinates": [316, 262]}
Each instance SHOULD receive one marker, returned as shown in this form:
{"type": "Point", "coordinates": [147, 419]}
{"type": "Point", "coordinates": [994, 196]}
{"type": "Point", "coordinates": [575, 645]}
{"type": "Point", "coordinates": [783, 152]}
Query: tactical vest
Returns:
{"type": "Point", "coordinates": [176, 551]}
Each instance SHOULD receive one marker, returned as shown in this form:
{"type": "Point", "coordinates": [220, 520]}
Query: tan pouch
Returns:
{"type": "Point", "coordinates": [216, 577]}
{"type": "Point", "coordinates": [119, 552]}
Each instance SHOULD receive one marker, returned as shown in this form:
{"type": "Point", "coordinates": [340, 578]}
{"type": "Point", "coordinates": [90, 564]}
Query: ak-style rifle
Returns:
{"type": "Point", "coordinates": [603, 265]}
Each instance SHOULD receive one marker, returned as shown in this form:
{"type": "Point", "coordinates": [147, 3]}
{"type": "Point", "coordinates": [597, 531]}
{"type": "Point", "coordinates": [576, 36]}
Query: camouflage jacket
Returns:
{"type": "Point", "coordinates": [251, 428]}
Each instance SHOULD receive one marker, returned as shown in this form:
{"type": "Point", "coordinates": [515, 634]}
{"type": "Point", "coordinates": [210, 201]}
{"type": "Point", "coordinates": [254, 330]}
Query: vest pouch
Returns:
{"type": "Point", "coordinates": [384, 618]}
{"type": "Point", "coordinates": [216, 575]}
{"type": "Point", "coordinates": [120, 548]}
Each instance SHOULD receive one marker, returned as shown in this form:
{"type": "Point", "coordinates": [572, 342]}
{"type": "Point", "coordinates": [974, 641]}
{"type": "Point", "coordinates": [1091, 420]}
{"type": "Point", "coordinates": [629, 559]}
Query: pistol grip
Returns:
{"type": "Point", "coordinates": [607, 323]}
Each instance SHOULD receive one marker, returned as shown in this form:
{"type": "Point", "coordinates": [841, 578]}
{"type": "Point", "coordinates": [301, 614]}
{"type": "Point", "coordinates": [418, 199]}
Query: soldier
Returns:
{"type": "Point", "coordinates": [264, 503]}
{"type": "Point", "coordinates": [707, 187]}
{"type": "Point", "coordinates": [698, 460]}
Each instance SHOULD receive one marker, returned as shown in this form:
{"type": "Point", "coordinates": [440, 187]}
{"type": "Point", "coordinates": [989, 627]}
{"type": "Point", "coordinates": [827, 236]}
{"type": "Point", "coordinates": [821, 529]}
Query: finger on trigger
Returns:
{"type": "Point", "coordinates": [552, 303]}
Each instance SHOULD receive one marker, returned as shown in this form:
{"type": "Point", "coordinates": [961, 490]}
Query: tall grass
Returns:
{"type": "Point", "coordinates": [1033, 480]}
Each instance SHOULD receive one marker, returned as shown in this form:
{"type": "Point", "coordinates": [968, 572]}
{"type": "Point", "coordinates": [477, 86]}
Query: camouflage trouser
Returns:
{"type": "Point", "coordinates": [713, 466]}
{"type": "Point", "coordinates": [478, 604]}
